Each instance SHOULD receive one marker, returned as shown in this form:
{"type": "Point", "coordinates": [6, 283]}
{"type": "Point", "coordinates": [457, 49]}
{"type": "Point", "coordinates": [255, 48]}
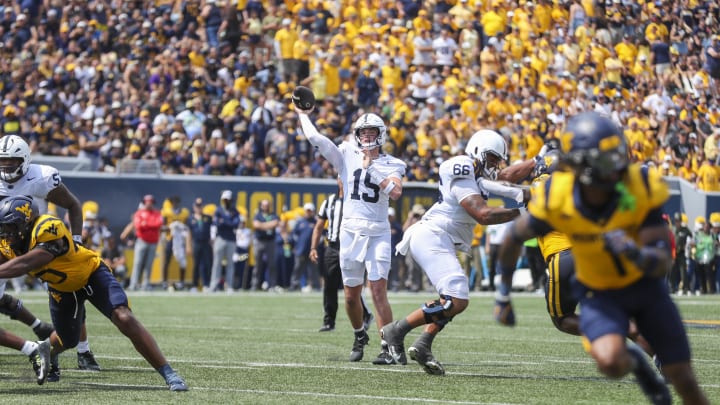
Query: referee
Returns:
{"type": "Point", "coordinates": [330, 212]}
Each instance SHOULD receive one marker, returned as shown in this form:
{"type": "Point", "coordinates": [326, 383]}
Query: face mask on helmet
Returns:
{"type": "Point", "coordinates": [12, 233]}
{"type": "Point", "coordinates": [11, 169]}
{"type": "Point", "coordinates": [14, 158]}
{"type": "Point", "coordinates": [599, 169]}
{"type": "Point", "coordinates": [489, 163]}
{"type": "Point", "coordinates": [16, 217]}
{"type": "Point", "coordinates": [369, 131]}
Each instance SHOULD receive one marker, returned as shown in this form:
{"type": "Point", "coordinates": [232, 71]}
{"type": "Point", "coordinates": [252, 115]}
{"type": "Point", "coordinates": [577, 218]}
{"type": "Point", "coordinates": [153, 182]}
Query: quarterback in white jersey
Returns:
{"type": "Point", "coordinates": [445, 228]}
{"type": "Point", "coordinates": [43, 183]}
{"type": "Point", "coordinates": [370, 179]}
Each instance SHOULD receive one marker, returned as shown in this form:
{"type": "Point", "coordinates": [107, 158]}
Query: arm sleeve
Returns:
{"type": "Point", "coordinates": [326, 147]}
{"type": "Point", "coordinates": [502, 190]}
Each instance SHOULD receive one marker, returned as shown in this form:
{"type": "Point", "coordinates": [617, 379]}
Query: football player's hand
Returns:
{"type": "Point", "coordinates": [367, 161]}
{"type": "Point", "coordinates": [304, 99]}
{"type": "Point", "coordinates": [618, 243]}
{"type": "Point", "coordinates": [540, 167]}
{"type": "Point", "coordinates": [503, 311]}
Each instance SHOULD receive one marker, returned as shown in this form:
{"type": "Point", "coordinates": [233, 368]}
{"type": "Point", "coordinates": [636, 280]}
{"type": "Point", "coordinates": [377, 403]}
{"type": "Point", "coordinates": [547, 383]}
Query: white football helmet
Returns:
{"type": "Point", "coordinates": [14, 158]}
{"type": "Point", "coordinates": [370, 120]}
{"type": "Point", "coordinates": [483, 143]}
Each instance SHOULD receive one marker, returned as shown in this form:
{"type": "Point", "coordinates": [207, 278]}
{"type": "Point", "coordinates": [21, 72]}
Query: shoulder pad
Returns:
{"type": "Point", "coordinates": [48, 228]}
{"type": "Point", "coordinates": [459, 167]}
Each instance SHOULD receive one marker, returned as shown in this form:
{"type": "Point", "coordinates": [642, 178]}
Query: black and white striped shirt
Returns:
{"type": "Point", "coordinates": [331, 211]}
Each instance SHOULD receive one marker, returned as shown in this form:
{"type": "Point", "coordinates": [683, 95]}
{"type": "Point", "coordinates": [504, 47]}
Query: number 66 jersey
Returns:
{"type": "Point", "coordinates": [458, 180]}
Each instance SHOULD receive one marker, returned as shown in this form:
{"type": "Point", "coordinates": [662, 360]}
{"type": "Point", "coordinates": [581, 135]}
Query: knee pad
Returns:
{"type": "Point", "coordinates": [10, 305]}
{"type": "Point", "coordinates": [435, 311]}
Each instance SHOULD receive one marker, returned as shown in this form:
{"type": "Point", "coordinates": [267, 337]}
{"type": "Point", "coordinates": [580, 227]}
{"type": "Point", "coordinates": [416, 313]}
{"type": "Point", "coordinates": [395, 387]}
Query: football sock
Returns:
{"type": "Point", "coordinates": [358, 331]}
{"type": "Point", "coordinates": [425, 339]}
{"type": "Point", "coordinates": [83, 346]}
{"type": "Point", "coordinates": [29, 347]}
{"type": "Point", "coordinates": [403, 327]}
{"type": "Point", "coordinates": [165, 370]}
{"type": "Point", "coordinates": [503, 289]}
{"type": "Point", "coordinates": [35, 323]}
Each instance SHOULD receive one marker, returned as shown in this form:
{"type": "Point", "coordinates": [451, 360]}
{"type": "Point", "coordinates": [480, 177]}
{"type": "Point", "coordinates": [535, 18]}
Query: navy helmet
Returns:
{"type": "Point", "coordinates": [594, 147]}
{"type": "Point", "coordinates": [17, 214]}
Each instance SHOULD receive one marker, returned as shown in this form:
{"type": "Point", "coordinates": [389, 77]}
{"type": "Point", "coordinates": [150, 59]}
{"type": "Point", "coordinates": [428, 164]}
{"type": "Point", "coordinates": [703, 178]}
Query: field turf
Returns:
{"type": "Point", "coordinates": [264, 348]}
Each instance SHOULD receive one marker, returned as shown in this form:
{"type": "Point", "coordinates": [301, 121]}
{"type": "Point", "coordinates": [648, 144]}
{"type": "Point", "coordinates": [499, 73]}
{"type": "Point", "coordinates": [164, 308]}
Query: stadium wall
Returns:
{"type": "Point", "coordinates": [118, 196]}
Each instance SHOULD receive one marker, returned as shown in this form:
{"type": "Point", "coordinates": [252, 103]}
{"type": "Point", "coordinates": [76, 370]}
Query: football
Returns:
{"type": "Point", "coordinates": [303, 98]}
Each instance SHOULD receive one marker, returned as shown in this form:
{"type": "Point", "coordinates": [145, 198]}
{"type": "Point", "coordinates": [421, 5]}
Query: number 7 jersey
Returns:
{"type": "Point", "coordinates": [363, 199]}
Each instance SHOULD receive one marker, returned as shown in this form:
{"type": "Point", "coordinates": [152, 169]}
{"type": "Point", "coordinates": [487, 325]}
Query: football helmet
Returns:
{"type": "Point", "coordinates": [14, 158]}
{"type": "Point", "coordinates": [370, 120]}
{"type": "Point", "coordinates": [594, 147]}
{"type": "Point", "coordinates": [17, 215]}
{"type": "Point", "coordinates": [488, 149]}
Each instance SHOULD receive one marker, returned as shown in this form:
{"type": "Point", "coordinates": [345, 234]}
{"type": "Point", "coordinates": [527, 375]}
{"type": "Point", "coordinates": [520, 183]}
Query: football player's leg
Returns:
{"type": "Point", "coordinates": [14, 308]}
{"type": "Point", "coordinates": [558, 293]}
{"type": "Point", "coordinates": [67, 313]}
{"type": "Point", "coordinates": [661, 325]}
{"type": "Point", "coordinates": [353, 248]}
{"type": "Point", "coordinates": [377, 263]}
{"type": "Point", "coordinates": [605, 324]}
{"type": "Point", "coordinates": [110, 299]}
{"type": "Point", "coordinates": [353, 279]}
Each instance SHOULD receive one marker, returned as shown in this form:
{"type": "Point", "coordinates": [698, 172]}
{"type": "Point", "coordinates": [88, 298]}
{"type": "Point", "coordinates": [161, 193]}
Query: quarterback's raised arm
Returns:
{"type": "Point", "coordinates": [325, 146]}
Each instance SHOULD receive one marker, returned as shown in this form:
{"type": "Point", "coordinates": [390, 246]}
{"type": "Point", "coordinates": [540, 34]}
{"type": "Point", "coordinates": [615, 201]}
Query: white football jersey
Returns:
{"type": "Point", "coordinates": [36, 183]}
{"type": "Point", "coordinates": [362, 198]}
{"type": "Point", "coordinates": [457, 182]}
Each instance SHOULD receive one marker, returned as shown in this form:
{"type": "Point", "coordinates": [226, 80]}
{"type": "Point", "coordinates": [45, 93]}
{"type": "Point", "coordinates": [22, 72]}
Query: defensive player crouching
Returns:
{"type": "Point", "coordinates": [43, 247]}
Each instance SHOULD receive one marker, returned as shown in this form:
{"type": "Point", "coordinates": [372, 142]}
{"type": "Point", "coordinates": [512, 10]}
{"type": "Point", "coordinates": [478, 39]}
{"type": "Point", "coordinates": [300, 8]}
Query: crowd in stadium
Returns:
{"type": "Point", "coordinates": [202, 86]}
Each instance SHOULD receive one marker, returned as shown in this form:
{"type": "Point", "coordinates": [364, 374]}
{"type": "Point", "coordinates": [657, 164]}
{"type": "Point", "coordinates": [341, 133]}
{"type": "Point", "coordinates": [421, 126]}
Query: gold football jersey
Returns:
{"type": "Point", "coordinates": [557, 203]}
{"type": "Point", "coordinates": [70, 270]}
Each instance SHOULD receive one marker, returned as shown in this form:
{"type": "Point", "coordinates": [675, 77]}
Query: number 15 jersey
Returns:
{"type": "Point", "coordinates": [363, 199]}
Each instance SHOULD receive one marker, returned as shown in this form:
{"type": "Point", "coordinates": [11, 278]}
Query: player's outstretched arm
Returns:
{"type": "Point", "coordinates": [477, 208]}
{"type": "Point", "coordinates": [21, 265]}
{"type": "Point", "coordinates": [518, 172]}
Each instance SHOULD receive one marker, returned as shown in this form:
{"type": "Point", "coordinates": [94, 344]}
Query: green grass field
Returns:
{"type": "Point", "coordinates": [265, 348]}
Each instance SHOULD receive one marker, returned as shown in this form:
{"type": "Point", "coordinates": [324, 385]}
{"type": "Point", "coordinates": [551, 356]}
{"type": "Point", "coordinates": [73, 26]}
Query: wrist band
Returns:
{"type": "Point", "coordinates": [389, 187]}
